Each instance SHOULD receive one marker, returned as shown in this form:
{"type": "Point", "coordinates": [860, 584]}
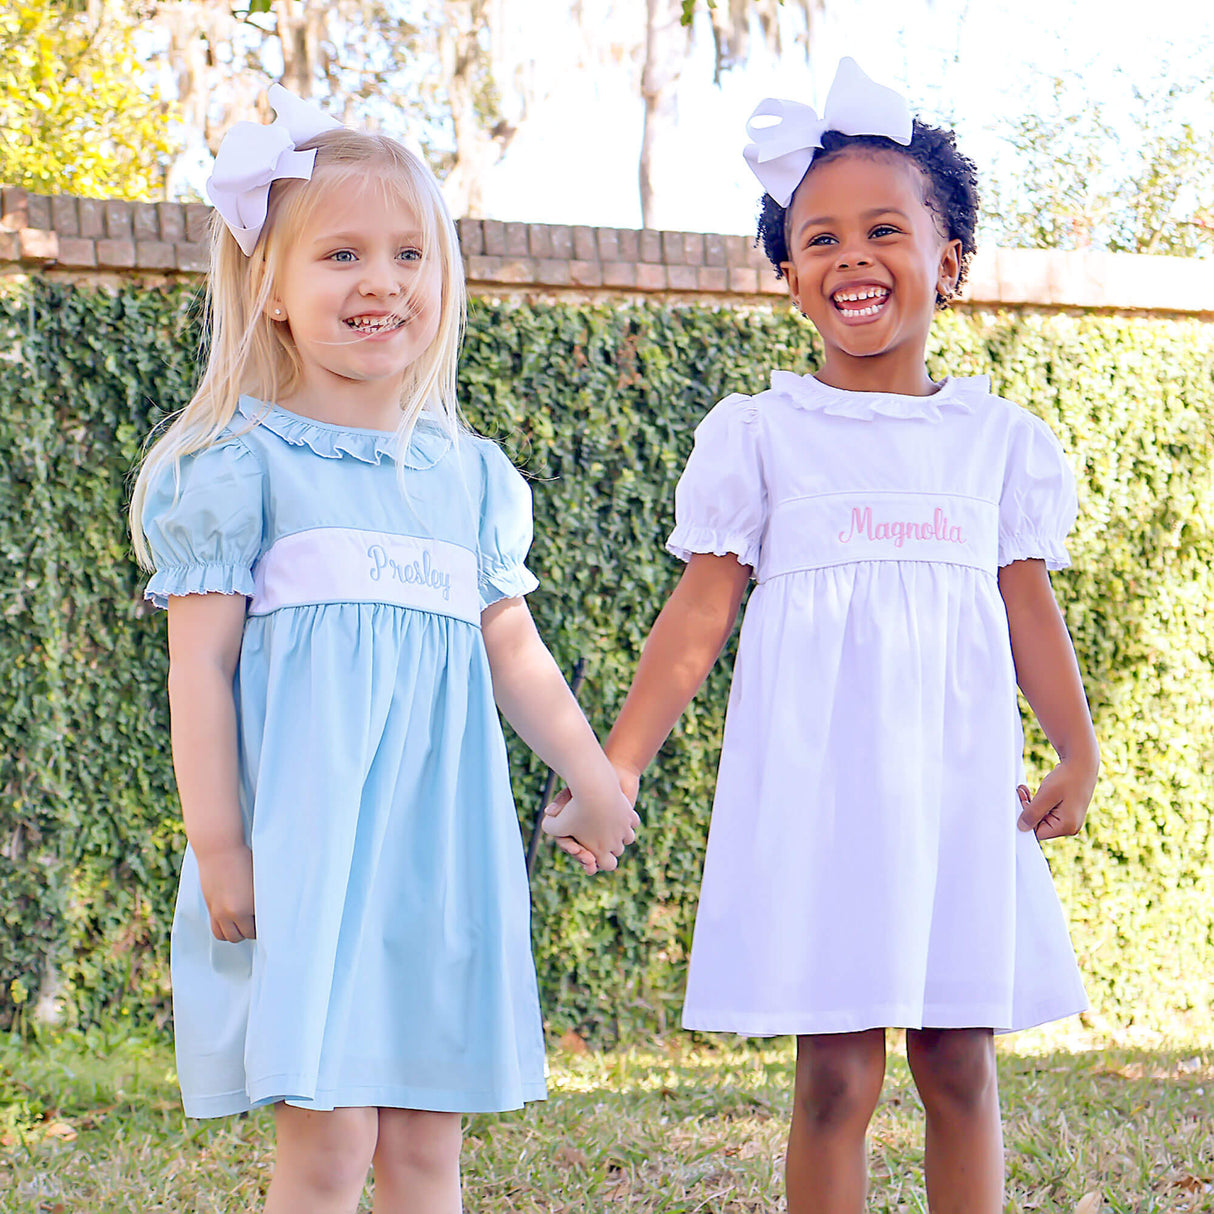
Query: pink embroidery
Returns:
{"type": "Point", "coordinates": [900, 531]}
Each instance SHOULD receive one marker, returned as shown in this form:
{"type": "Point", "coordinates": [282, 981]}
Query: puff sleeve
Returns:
{"type": "Point", "coordinates": [204, 523]}
{"type": "Point", "coordinates": [721, 500]}
{"type": "Point", "coordinates": [1037, 505]}
{"type": "Point", "coordinates": [505, 530]}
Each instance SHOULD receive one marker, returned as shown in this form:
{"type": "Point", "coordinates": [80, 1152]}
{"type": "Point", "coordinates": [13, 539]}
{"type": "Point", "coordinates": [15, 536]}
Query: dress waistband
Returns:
{"type": "Point", "coordinates": [843, 528]}
{"type": "Point", "coordinates": [347, 565]}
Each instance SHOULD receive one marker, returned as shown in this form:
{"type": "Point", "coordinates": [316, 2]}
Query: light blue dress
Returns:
{"type": "Point", "coordinates": [392, 965]}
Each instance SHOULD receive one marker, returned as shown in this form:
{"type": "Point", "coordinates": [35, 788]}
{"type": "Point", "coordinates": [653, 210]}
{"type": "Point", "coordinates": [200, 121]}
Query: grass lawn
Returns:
{"type": "Point", "coordinates": [92, 1123]}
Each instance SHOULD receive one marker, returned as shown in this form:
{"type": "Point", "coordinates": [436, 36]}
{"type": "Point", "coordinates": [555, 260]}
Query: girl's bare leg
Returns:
{"type": "Point", "coordinates": [955, 1073]}
{"type": "Point", "coordinates": [417, 1162]}
{"type": "Point", "coordinates": [839, 1078]}
{"type": "Point", "coordinates": [321, 1160]}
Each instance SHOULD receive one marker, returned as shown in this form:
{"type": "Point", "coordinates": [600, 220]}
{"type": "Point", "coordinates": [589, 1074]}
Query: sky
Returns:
{"type": "Point", "coordinates": [972, 63]}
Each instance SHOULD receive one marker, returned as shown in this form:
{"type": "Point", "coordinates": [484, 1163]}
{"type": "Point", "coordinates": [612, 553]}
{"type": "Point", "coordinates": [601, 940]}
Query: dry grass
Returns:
{"type": "Point", "coordinates": [1122, 1127]}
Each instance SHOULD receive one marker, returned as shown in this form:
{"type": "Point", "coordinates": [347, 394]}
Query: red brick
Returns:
{"type": "Point", "coordinates": [15, 206]}
{"type": "Point", "coordinates": [712, 278]}
{"type": "Point", "coordinates": [539, 240]}
{"type": "Point", "coordinates": [714, 250]}
{"type": "Point", "coordinates": [91, 214]}
{"type": "Point", "coordinates": [672, 248]}
{"type": "Point", "coordinates": [495, 237]}
{"type": "Point", "coordinates": [516, 240]}
{"type": "Point", "coordinates": [619, 274]}
{"type": "Point", "coordinates": [651, 277]}
{"type": "Point", "coordinates": [553, 272]}
{"type": "Point", "coordinates": [757, 257]}
{"type": "Point", "coordinates": [562, 240]}
{"type": "Point", "coordinates": [471, 238]}
{"type": "Point", "coordinates": [769, 284]}
{"type": "Point", "coordinates": [118, 220]}
{"type": "Point", "coordinates": [145, 221]}
{"type": "Point", "coordinates": [38, 244]}
{"type": "Point", "coordinates": [628, 241]}
{"type": "Point", "coordinates": [743, 280]}
{"type": "Point", "coordinates": [586, 273]}
{"type": "Point", "coordinates": [10, 246]}
{"type": "Point", "coordinates": [155, 255]}
{"type": "Point", "coordinates": [737, 250]}
{"type": "Point", "coordinates": [608, 241]}
{"type": "Point", "coordinates": [501, 269]}
{"type": "Point", "coordinates": [38, 212]}
{"type": "Point", "coordinates": [197, 223]}
{"type": "Point", "coordinates": [116, 254]}
{"type": "Point", "coordinates": [172, 221]}
{"type": "Point", "coordinates": [650, 246]}
{"type": "Point", "coordinates": [63, 215]}
{"type": "Point", "coordinates": [681, 278]}
{"type": "Point", "coordinates": [77, 252]}
{"type": "Point", "coordinates": [585, 248]}
{"type": "Point", "coordinates": [192, 257]}
{"type": "Point", "coordinates": [693, 248]}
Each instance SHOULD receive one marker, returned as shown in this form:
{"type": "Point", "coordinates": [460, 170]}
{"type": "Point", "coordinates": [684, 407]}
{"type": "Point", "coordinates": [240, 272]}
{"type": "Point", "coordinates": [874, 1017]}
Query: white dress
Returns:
{"type": "Point", "coordinates": [864, 866]}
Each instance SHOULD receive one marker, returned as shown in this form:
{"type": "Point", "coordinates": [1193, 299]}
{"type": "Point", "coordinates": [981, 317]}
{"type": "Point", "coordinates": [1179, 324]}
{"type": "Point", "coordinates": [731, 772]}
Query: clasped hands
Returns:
{"type": "Point", "coordinates": [595, 829]}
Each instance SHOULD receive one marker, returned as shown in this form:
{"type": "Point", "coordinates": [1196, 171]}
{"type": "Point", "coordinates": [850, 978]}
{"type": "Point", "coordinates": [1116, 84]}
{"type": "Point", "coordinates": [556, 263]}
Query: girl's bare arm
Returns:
{"type": "Point", "coordinates": [204, 645]}
{"type": "Point", "coordinates": [1048, 675]}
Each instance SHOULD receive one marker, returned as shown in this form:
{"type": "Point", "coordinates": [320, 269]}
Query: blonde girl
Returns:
{"type": "Point", "coordinates": [343, 568]}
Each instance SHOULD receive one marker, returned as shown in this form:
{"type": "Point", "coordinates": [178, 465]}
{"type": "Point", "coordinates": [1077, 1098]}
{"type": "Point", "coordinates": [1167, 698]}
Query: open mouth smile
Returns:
{"type": "Point", "coordinates": [371, 326]}
{"type": "Point", "coordinates": [858, 302]}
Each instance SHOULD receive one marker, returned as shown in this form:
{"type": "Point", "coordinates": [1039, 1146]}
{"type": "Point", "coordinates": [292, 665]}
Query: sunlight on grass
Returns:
{"type": "Point", "coordinates": [92, 1123]}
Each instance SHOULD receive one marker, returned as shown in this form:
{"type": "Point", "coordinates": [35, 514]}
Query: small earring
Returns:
{"type": "Point", "coordinates": [277, 311]}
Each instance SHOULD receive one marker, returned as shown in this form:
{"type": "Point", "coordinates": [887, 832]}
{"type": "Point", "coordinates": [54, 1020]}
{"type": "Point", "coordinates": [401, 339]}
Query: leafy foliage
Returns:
{"type": "Point", "coordinates": [76, 114]}
{"type": "Point", "coordinates": [598, 404]}
{"type": "Point", "coordinates": [1082, 176]}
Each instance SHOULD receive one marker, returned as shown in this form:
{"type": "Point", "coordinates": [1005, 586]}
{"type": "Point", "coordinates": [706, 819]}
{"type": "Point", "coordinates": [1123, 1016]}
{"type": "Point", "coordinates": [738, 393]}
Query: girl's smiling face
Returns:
{"type": "Point", "coordinates": [867, 259]}
{"type": "Point", "coordinates": [361, 296]}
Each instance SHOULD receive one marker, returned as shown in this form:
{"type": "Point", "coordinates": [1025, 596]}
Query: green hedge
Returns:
{"type": "Point", "coordinates": [598, 404]}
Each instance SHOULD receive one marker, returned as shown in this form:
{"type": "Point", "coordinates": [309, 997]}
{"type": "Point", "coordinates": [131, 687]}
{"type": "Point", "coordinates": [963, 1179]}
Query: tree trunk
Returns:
{"type": "Point", "coordinates": [665, 51]}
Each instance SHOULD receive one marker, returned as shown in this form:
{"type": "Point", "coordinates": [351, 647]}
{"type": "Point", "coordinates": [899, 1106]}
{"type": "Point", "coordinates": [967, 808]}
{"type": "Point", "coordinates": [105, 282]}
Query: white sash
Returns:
{"type": "Point", "coordinates": [840, 528]}
{"type": "Point", "coordinates": [346, 565]}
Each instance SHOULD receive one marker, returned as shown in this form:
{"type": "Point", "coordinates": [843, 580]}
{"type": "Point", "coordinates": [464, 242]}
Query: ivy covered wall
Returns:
{"type": "Point", "coordinates": [597, 402]}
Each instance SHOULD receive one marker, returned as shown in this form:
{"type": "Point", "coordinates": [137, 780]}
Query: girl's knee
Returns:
{"type": "Point", "coordinates": [326, 1152]}
{"type": "Point", "coordinates": [418, 1142]}
{"type": "Point", "coordinates": [839, 1079]}
{"type": "Point", "coordinates": [954, 1068]}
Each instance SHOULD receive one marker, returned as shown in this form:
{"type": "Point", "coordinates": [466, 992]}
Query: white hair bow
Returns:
{"type": "Point", "coordinates": [780, 153]}
{"type": "Point", "coordinates": [252, 157]}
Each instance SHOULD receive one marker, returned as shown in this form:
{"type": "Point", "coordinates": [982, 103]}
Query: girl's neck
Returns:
{"type": "Point", "coordinates": [907, 377]}
{"type": "Point", "coordinates": [343, 403]}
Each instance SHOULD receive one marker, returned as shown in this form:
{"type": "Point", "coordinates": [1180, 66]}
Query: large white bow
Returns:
{"type": "Point", "coordinates": [252, 157]}
{"type": "Point", "coordinates": [779, 154]}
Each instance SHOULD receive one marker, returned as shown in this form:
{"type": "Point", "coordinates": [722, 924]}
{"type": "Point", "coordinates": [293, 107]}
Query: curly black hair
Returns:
{"type": "Point", "coordinates": [952, 189]}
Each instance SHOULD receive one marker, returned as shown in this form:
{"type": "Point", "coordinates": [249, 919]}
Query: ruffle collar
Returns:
{"type": "Point", "coordinates": [810, 393]}
{"type": "Point", "coordinates": [427, 445]}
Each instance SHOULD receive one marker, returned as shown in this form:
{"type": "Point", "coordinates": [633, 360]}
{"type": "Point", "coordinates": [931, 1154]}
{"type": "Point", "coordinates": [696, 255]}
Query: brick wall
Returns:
{"type": "Point", "coordinates": [89, 239]}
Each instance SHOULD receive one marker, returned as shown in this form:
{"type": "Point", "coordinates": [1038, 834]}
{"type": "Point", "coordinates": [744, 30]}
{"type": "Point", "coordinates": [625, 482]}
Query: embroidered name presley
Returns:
{"type": "Point", "coordinates": [409, 573]}
{"type": "Point", "coordinates": [864, 527]}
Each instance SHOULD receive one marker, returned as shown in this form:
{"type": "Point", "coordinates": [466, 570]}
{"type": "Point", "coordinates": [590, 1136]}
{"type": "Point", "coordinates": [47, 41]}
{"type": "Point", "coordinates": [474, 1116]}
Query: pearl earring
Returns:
{"type": "Point", "coordinates": [277, 311]}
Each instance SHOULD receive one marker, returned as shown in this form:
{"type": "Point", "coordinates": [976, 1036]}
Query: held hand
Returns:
{"type": "Point", "coordinates": [227, 886]}
{"type": "Point", "coordinates": [1061, 803]}
{"type": "Point", "coordinates": [593, 830]}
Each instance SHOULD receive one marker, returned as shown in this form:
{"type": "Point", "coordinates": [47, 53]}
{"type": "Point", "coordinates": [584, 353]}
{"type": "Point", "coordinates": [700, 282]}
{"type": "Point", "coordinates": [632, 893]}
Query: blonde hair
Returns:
{"type": "Point", "coordinates": [250, 354]}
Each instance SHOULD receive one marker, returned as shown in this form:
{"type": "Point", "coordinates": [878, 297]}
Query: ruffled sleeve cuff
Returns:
{"type": "Point", "coordinates": [504, 580]}
{"type": "Point", "coordinates": [197, 579]}
{"type": "Point", "coordinates": [1027, 546]}
{"type": "Point", "coordinates": [687, 539]}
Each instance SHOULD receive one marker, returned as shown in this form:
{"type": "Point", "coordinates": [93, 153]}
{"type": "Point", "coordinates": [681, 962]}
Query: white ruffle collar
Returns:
{"type": "Point", "coordinates": [810, 393]}
{"type": "Point", "coordinates": [427, 445]}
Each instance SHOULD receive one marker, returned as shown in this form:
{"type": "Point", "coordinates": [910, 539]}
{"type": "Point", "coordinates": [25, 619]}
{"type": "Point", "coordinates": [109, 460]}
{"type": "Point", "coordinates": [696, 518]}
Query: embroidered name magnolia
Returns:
{"type": "Point", "coordinates": [410, 573]}
{"type": "Point", "coordinates": [900, 530]}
